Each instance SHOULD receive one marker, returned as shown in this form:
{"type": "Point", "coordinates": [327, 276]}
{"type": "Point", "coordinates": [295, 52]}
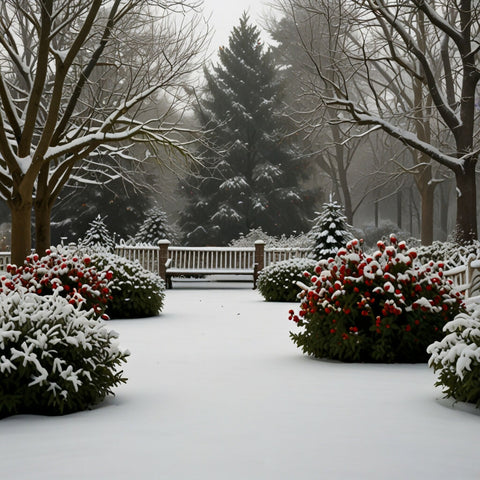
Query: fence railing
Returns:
{"type": "Point", "coordinates": [5, 259]}
{"type": "Point", "coordinates": [221, 259]}
{"type": "Point", "coordinates": [466, 278]}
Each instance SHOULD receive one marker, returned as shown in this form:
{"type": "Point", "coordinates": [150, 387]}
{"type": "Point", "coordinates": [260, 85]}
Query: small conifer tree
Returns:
{"type": "Point", "coordinates": [98, 236]}
{"type": "Point", "coordinates": [155, 227]}
{"type": "Point", "coordinates": [330, 231]}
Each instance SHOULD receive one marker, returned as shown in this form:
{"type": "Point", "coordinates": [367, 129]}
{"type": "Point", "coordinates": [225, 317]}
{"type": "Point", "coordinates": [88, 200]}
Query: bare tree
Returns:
{"type": "Point", "coordinates": [76, 79]}
{"type": "Point", "coordinates": [433, 49]}
{"type": "Point", "coordinates": [310, 38]}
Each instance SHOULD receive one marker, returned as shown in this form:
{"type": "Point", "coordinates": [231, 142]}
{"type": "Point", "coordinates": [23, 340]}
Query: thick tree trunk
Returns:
{"type": "Point", "coordinates": [21, 233]}
{"type": "Point", "coordinates": [42, 227]}
{"type": "Point", "coordinates": [466, 231]}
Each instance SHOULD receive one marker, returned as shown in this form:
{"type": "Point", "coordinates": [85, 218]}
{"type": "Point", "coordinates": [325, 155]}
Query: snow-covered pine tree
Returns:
{"type": "Point", "coordinates": [98, 236]}
{"type": "Point", "coordinates": [250, 175]}
{"type": "Point", "coordinates": [330, 231]}
{"type": "Point", "coordinates": [155, 227]}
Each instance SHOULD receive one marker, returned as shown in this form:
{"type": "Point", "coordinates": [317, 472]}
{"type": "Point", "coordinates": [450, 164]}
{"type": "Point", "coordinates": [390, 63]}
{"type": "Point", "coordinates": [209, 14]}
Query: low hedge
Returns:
{"type": "Point", "coordinates": [278, 282]}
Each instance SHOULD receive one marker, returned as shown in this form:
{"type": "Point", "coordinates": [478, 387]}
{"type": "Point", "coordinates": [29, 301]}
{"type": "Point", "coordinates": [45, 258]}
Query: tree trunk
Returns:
{"type": "Point", "coordinates": [399, 208]}
{"type": "Point", "coordinates": [466, 231]}
{"type": "Point", "coordinates": [427, 194]}
{"type": "Point", "coordinates": [42, 227]}
{"type": "Point", "coordinates": [21, 233]}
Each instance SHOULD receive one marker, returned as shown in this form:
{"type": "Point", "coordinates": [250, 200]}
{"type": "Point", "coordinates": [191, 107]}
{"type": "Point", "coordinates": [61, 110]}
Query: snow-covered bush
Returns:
{"type": "Point", "coordinates": [451, 253]}
{"type": "Point", "coordinates": [154, 228]}
{"type": "Point", "coordinates": [54, 357]}
{"type": "Point", "coordinates": [278, 282]}
{"type": "Point", "coordinates": [456, 358]}
{"type": "Point", "coordinates": [382, 307]}
{"type": "Point", "coordinates": [330, 231]}
{"type": "Point", "coordinates": [98, 236]}
{"type": "Point", "coordinates": [135, 292]}
{"type": "Point", "coordinates": [69, 272]}
{"type": "Point", "coordinates": [293, 241]}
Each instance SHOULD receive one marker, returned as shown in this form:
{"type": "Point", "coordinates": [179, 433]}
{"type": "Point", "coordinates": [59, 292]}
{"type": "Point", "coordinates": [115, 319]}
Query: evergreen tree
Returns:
{"type": "Point", "coordinates": [250, 175]}
{"type": "Point", "coordinates": [155, 227]}
{"type": "Point", "coordinates": [98, 236]}
{"type": "Point", "coordinates": [330, 231]}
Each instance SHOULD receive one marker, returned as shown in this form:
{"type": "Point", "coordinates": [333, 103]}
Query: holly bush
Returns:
{"type": "Point", "coordinates": [278, 281]}
{"type": "Point", "coordinates": [456, 358]}
{"type": "Point", "coordinates": [55, 358]}
{"type": "Point", "coordinates": [135, 291]}
{"type": "Point", "coordinates": [383, 307]}
{"type": "Point", "coordinates": [69, 272]}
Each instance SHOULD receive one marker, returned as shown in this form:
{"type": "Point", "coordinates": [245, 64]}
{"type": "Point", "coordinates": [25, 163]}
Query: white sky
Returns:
{"type": "Point", "coordinates": [225, 15]}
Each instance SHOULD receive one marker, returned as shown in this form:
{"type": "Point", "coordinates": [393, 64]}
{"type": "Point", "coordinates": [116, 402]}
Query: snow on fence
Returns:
{"type": "Point", "coordinates": [167, 260]}
{"type": "Point", "coordinates": [5, 259]}
{"type": "Point", "coordinates": [466, 277]}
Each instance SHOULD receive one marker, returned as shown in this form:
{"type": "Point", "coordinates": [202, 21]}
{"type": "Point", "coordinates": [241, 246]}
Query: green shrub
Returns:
{"type": "Point", "coordinates": [54, 357]}
{"type": "Point", "coordinates": [135, 292]}
{"type": "Point", "coordinates": [456, 358]}
{"type": "Point", "coordinates": [381, 307]}
{"type": "Point", "coordinates": [278, 282]}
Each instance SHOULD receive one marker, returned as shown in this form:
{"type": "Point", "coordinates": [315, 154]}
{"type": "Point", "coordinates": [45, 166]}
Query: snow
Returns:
{"type": "Point", "coordinates": [218, 391]}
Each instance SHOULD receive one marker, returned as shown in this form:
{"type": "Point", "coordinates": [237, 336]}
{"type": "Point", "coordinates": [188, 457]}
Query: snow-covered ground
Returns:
{"type": "Point", "coordinates": [217, 391]}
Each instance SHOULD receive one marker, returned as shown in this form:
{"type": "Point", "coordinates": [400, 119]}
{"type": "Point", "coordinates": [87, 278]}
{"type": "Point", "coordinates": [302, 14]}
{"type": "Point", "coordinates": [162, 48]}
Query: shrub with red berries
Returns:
{"type": "Point", "coordinates": [383, 307]}
{"type": "Point", "coordinates": [72, 274]}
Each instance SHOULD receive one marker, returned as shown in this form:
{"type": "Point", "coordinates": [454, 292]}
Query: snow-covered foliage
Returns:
{"type": "Point", "coordinates": [456, 358]}
{"type": "Point", "coordinates": [384, 307]}
{"type": "Point", "coordinates": [251, 171]}
{"type": "Point", "coordinates": [154, 228]}
{"type": "Point", "coordinates": [54, 357]}
{"type": "Point", "coordinates": [98, 236]}
{"type": "Point", "coordinates": [330, 231]}
{"type": "Point", "coordinates": [65, 271]}
{"type": "Point", "coordinates": [278, 282]}
{"type": "Point", "coordinates": [450, 253]}
{"type": "Point", "coordinates": [135, 292]}
{"type": "Point", "coordinates": [293, 241]}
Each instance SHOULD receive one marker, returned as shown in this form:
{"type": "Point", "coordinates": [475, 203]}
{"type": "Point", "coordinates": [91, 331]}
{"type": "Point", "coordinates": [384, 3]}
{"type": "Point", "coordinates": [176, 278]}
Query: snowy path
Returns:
{"type": "Point", "coordinates": [217, 391]}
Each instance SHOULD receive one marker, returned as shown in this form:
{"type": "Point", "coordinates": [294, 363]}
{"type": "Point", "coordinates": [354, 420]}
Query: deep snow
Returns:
{"type": "Point", "coordinates": [217, 390]}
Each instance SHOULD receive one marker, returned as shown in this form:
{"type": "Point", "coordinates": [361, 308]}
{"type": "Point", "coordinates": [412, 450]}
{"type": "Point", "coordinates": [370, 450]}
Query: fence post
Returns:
{"type": "Point", "coordinates": [259, 260]}
{"type": "Point", "coordinates": [162, 259]}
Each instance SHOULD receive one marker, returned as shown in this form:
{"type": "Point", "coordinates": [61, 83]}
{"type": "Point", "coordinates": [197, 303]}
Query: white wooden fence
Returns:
{"type": "Point", "coordinates": [167, 260]}
{"type": "Point", "coordinates": [466, 277]}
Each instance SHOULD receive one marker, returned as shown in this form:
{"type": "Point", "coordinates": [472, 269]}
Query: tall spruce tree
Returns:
{"type": "Point", "coordinates": [251, 171]}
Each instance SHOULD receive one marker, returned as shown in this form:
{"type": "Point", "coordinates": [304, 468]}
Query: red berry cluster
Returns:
{"type": "Point", "coordinates": [73, 275]}
{"type": "Point", "coordinates": [385, 298]}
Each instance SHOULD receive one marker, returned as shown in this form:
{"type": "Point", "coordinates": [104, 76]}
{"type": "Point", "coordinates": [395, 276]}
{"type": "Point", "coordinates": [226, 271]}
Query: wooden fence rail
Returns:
{"type": "Point", "coordinates": [169, 261]}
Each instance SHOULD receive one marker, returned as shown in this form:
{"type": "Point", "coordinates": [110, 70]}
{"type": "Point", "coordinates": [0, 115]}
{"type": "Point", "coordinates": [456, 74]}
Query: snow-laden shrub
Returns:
{"type": "Point", "coordinates": [54, 357]}
{"type": "Point", "coordinates": [82, 284]}
{"type": "Point", "coordinates": [382, 307]}
{"type": "Point", "coordinates": [450, 253]}
{"type": "Point", "coordinates": [135, 292]}
{"type": "Point", "coordinates": [293, 241]}
{"type": "Point", "coordinates": [98, 236]}
{"type": "Point", "coordinates": [278, 282]}
{"type": "Point", "coordinates": [456, 358]}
